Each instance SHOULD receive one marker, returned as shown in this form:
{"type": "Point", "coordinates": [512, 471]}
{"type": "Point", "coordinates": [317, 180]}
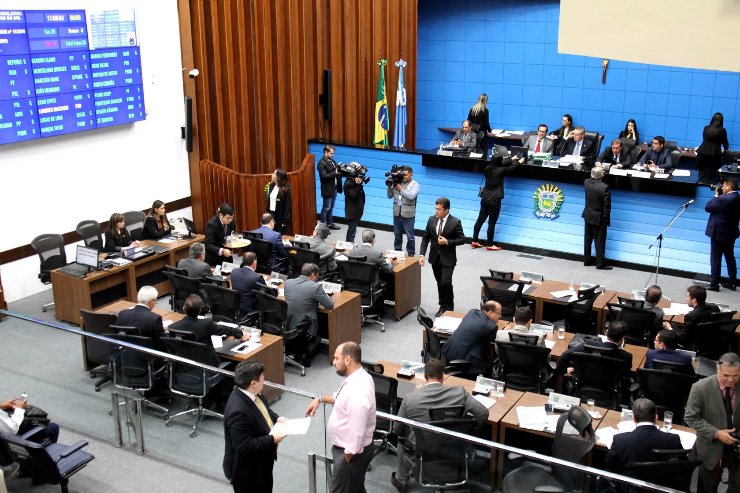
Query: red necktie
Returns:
{"type": "Point", "coordinates": [537, 147]}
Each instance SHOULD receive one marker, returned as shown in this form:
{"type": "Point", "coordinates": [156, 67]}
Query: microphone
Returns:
{"type": "Point", "coordinates": [688, 203]}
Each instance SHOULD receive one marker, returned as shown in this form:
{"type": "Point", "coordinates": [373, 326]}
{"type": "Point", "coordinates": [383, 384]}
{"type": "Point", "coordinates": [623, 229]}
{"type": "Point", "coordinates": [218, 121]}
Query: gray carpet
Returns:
{"type": "Point", "coordinates": [47, 364]}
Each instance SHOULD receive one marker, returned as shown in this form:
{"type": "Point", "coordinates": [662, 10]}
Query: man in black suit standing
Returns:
{"type": "Point", "coordinates": [204, 328]}
{"type": "Point", "coordinates": [331, 185]}
{"type": "Point", "coordinates": [636, 446]}
{"type": "Point", "coordinates": [250, 451]}
{"type": "Point", "coordinates": [596, 216]}
{"type": "Point", "coordinates": [445, 232]}
{"type": "Point", "coordinates": [142, 316]}
{"type": "Point", "coordinates": [722, 228]}
{"type": "Point", "coordinates": [217, 229]}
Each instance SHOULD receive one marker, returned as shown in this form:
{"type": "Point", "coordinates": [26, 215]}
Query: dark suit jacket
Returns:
{"type": "Point", "coordinates": [662, 159]}
{"type": "Point", "coordinates": [724, 215]}
{"type": "Point", "coordinates": [244, 281]}
{"type": "Point", "coordinates": [494, 175]}
{"type": "Point", "coordinates": [278, 249]}
{"type": "Point", "coordinates": [148, 322]}
{"type": "Point", "coordinates": [354, 200]}
{"type": "Point", "coordinates": [469, 140]}
{"type": "Point", "coordinates": [152, 231]}
{"type": "Point", "coordinates": [204, 328]}
{"type": "Point", "coordinates": [283, 209]}
{"type": "Point", "coordinates": [616, 352]}
{"type": "Point", "coordinates": [196, 269]}
{"type": "Point", "coordinates": [608, 157]}
{"type": "Point", "coordinates": [445, 254]}
{"type": "Point", "coordinates": [598, 207]}
{"type": "Point", "coordinates": [705, 413]}
{"type": "Point", "coordinates": [636, 446]}
{"type": "Point", "coordinates": [215, 237]}
{"type": "Point", "coordinates": [588, 150]}
{"type": "Point", "coordinates": [688, 331]}
{"type": "Point", "coordinates": [481, 119]}
{"type": "Point", "coordinates": [250, 451]}
{"type": "Point", "coordinates": [714, 139]}
{"type": "Point", "coordinates": [114, 243]}
{"type": "Point", "coordinates": [331, 180]}
{"type": "Point", "coordinates": [470, 340]}
{"type": "Point", "coordinates": [671, 356]}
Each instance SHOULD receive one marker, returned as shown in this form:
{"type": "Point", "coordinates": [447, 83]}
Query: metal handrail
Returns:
{"type": "Point", "coordinates": [390, 417]}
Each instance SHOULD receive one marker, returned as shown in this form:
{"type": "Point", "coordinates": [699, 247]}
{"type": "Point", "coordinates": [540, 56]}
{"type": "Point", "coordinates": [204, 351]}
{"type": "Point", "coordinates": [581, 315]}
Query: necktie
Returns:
{"type": "Point", "coordinates": [441, 226]}
{"type": "Point", "coordinates": [224, 229]}
{"type": "Point", "coordinates": [263, 410]}
{"type": "Point", "coordinates": [577, 151]}
{"type": "Point", "coordinates": [728, 406]}
{"type": "Point", "coordinates": [537, 147]}
{"type": "Point", "coordinates": [616, 158]}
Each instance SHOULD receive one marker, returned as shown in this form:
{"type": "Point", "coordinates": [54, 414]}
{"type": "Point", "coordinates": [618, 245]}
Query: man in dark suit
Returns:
{"type": "Point", "coordinates": [722, 228]}
{"type": "Point", "coordinates": [279, 255]}
{"type": "Point", "coordinates": [250, 450]}
{"type": "Point", "coordinates": [473, 336]}
{"type": "Point", "coordinates": [142, 316]}
{"type": "Point", "coordinates": [445, 232]}
{"type": "Point", "coordinates": [372, 255]}
{"type": "Point", "coordinates": [194, 264]}
{"type": "Point", "coordinates": [465, 138]}
{"type": "Point", "coordinates": [653, 295]}
{"type": "Point", "coordinates": [658, 156]}
{"type": "Point", "coordinates": [636, 446]}
{"type": "Point", "coordinates": [615, 341]}
{"type": "Point", "coordinates": [712, 411]}
{"type": "Point", "coordinates": [244, 280]}
{"type": "Point", "coordinates": [416, 406]}
{"type": "Point", "coordinates": [331, 185]}
{"type": "Point", "coordinates": [617, 155]}
{"type": "Point", "coordinates": [217, 229]}
{"type": "Point", "coordinates": [578, 145]}
{"type": "Point", "coordinates": [666, 342]}
{"type": "Point", "coordinates": [303, 296]}
{"type": "Point", "coordinates": [696, 298]}
{"type": "Point", "coordinates": [596, 217]}
{"type": "Point", "coordinates": [204, 328]}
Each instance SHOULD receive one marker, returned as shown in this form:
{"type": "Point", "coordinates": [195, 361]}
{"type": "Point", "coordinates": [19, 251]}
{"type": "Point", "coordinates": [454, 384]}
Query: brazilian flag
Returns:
{"type": "Point", "coordinates": [381, 109]}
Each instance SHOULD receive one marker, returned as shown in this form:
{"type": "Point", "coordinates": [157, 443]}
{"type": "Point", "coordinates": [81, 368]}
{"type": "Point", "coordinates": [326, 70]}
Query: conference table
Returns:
{"type": "Point", "coordinates": [96, 289]}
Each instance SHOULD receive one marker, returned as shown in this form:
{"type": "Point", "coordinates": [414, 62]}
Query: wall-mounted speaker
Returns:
{"type": "Point", "coordinates": [325, 97]}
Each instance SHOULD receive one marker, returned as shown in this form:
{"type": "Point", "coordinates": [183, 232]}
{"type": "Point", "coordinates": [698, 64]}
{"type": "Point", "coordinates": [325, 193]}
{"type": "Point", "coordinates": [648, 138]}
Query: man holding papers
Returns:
{"type": "Point", "coordinates": [476, 331]}
{"type": "Point", "coordinates": [250, 450]}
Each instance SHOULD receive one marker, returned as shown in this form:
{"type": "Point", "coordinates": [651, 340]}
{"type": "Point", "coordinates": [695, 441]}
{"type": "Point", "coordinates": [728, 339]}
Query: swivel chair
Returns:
{"type": "Point", "coordinates": [273, 320]}
{"type": "Point", "coordinates": [599, 377]}
{"type": "Point", "coordinates": [180, 288]}
{"type": "Point", "coordinates": [670, 468]}
{"type": "Point", "coordinates": [360, 277]}
{"type": "Point", "coordinates": [669, 390]}
{"type": "Point", "coordinates": [135, 224]}
{"type": "Point", "coordinates": [96, 354]}
{"type": "Point", "coordinates": [50, 248]}
{"type": "Point", "coordinates": [89, 231]}
{"type": "Point", "coordinates": [507, 292]}
{"type": "Point", "coordinates": [298, 256]}
{"type": "Point", "coordinates": [523, 366]}
{"type": "Point", "coordinates": [638, 322]}
{"type": "Point", "coordinates": [444, 461]}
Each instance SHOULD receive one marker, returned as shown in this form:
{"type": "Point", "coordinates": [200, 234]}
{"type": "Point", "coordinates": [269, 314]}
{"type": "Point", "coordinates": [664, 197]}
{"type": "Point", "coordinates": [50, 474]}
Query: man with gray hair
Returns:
{"type": "Point", "coordinates": [371, 254]}
{"type": "Point", "coordinates": [317, 243]}
{"type": "Point", "coordinates": [142, 317]}
{"type": "Point", "coordinates": [712, 412]}
{"type": "Point", "coordinates": [596, 217]}
{"type": "Point", "coordinates": [195, 264]}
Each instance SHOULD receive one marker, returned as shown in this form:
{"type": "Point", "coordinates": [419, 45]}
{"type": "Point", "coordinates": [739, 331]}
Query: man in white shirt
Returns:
{"type": "Point", "coordinates": [522, 325]}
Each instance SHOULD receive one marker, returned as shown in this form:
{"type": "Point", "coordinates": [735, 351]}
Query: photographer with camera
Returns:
{"type": "Point", "coordinates": [712, 412]}
{"type": "Point", "coordinates": [722, 229]}
{"type": "Point", "coordinates": [354, 205]}
{"type": "Point", "coordinates": [403, 190]}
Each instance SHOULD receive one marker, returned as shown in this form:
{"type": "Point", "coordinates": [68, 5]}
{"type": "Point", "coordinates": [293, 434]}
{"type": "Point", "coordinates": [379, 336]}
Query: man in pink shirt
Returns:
{"type": "Point", "coordinates": [352, 420]}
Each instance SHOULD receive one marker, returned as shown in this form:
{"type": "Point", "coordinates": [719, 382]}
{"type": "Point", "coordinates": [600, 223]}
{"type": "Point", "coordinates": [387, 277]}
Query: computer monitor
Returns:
{"type": "Point", "coordinates": [87, 256]}
{"type": "Point", "coordinates": [190, 226]}
{"type": "Point", "coordinates": [519, 152]}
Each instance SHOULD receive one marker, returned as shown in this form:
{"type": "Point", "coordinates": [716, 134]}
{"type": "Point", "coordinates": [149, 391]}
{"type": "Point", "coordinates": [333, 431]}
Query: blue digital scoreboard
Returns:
{"type": "Point", "coordinates": [64, 71]}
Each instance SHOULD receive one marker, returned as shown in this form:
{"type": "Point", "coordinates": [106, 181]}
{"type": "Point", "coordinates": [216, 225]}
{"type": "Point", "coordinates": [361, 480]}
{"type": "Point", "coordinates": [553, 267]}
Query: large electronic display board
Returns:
{"type": "Point", "coordinates": [64, 71]}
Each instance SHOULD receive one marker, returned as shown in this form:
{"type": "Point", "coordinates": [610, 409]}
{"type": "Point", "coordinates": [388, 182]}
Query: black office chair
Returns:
{"type": "Point", "coordinates": [182, 334]}
{"type": "Point", "coordinates": [670, 468]}
{"type": "Point", "coordinates": [371, 367]}
{"type": "Point", "coordinates": [386, 399]}
{"type": "Point", "coordinates": [180, 288]}
{"type": "Point", "coordinates": [502, 274]}
{"type": "Point", "coordinates": [223, 302]}
{"type": "Point", "coordinates": [252, 235]}
{"type": "Point", "coordinates": [638, 323]}
{"type": "Point", "coordinates": [176, 270]}
{"type": "Point", "coordinates": [273, 320]}
{"type": "Point", "coordinates": [263, 250]}
{"type": "Point", "coordinates": [424, 319]}
{"type": "Point", "coordinates": [50, 248]}
{"type": "Point", "coordinates": [89, 231]}
{"type": "Point", "coordinates": [669, 390]}
{"type": "Point", "coordinates": [297, 257]}
{"type": "Point", "coordinates": [623, 300]}
{"type": "Point", "coordinates": [533, 476]}
{"type": "Point", "coordinates": [95, 353]}
{"type": "Point", "coordinates": [531, 339]}
{"type": "Point", "coordinates": [578, 316]}
{"type": "Point", "coordinates": [448, 412]}
{"type": "Point", "coordinates": [599, 377]}
{"type": "Point", "coordinates": [674, 366]}
{"type": "Point", "coordinates": [523, 366]}
{"type": "Point", "coordinates": [46, 463]}
{"type": "Point", "coordinates": [125, 329]}
{"type": "Point", "coordinates": [301, 244]}
{"type": "Point", "coordinates": [360, 277]}
{"type": "Point", "coordinates": [713, 339]}
{"type": "Point", "coordinates": [190, 381]}
{"type": "Point", "coordinates": [444, 462]}
{"type": "Point", "coordinates": [135, 224]}
{"type": "Point", "coordinates": [500, 290]}
{"type": "Point", "coordinates": [597, 139]}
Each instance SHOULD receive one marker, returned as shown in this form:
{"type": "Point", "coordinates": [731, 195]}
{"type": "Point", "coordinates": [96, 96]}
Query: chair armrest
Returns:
{"type": "Point", "coordinates": [549, 489]}
{"type": "Point", "coordinates": [71, 449]}
{"type": "Point", "coordinates": [32, 432]}
{"type": "Point", "coordinates": [250, 316]}
{"type": "Point", "coordinates": [224, 364]}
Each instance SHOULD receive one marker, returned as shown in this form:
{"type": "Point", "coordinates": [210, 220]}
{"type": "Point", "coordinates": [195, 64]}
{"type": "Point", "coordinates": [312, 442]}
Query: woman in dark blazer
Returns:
{"type": "Point", "coordinates": [630, 131]}
{"type": "Point", "coordinates": [561, 135]}
{"type": "Point", "coordinates": [156, 225]}
{"type": "Point", "coordinates": [354, 205]}
{"type": "Point", "coordinates": [490, 199]}
{"type": "Point", "coordinates": [478, 115]}
{"type": "Point", "coordinates": [279, 201]}
{"type": "Point", "coordinates": [117, 236]}
{"type": "Point", "coordinates": [709, 153]}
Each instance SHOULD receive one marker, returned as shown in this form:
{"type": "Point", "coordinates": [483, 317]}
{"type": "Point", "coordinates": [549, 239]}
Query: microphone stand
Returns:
{"type": "Point", "coordinates": [659, 238]}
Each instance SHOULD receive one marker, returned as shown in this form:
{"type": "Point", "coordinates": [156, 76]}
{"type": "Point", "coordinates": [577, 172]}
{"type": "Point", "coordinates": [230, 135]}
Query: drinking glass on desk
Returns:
{"type": "Point", "coordinates": [667, 420]}
{"type": "Point", "coordinates": [561, 333]}
{"type": "Point", "coordinates": [499, 389]}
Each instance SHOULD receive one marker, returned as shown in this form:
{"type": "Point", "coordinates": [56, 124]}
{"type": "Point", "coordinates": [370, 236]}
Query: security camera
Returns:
{"type": "Point", "coordinates": [194, 73]}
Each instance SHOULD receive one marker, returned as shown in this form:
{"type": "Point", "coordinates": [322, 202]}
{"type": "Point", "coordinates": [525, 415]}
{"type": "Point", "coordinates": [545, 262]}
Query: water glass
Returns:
{"type": "Point", "coordinates": [561, 333]}
{"type": "Point", "coordinates": [254, 335]}
{"type": "Point", "coordinates": [667, 420]}
{"type": "Point", "coordinates": [590, 405]}
{"type": "Point", "coordinates": [572, 285]}
{"type": "Point", "coordinates": [499, 389]}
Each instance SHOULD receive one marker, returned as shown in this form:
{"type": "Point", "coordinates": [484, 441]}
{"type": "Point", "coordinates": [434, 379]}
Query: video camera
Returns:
{"type": "Point", "coordinates": [394, 176]}
{"type": "Point", "coordinates": [353, 170]}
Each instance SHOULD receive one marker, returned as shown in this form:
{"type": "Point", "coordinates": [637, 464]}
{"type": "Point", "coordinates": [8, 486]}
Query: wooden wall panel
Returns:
{"type": "Point", "coordinates": [261, 65]}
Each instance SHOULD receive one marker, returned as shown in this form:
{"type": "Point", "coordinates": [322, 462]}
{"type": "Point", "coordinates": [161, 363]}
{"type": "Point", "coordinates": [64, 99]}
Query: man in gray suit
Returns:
{"type": "Point", "coordinates": [303, 296]}
{"type": "Point", "coordinates": [195, 264]}
{"type": "Point", "coordinates": [465, 138]}
{"type": "Point", "coordinates": [539, 142]}
{"type": "Point", "coordinates": [318, 243]}
{"type": "Point", "coordinates": [712, 411]}
{"type": "Point", "coordinates": [416, 406]}
{"type": "Point", "coordinates": [372, 255]}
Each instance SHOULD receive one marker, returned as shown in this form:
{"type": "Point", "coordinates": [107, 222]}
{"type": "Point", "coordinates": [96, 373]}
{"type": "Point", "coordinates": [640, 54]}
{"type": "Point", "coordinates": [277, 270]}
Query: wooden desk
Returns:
{"type": "Point", "coordinates": [118, 283]}
{"type": "Point", "coordinates": [406, 286]}
{"type": "Point", "coordinates": [540, 294]}
{"type": "Point", "coordinates": [343, 322]}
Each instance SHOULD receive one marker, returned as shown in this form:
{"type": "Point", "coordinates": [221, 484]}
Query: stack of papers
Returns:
{"type": "Point", "coordinates": [532, 418]}
{"type": "Point", "coordinates": [566, 293]}
{"type": "Point", "coordinates": [486, 401]}
{"type": "Point", "coordinates": [681, 172]}
{"type": "Point", "coordinates": [447, 325]}
{"type": "Point", "coordinates": [292, 427]}
{"type": "Point", "coordinates": [677, 309]}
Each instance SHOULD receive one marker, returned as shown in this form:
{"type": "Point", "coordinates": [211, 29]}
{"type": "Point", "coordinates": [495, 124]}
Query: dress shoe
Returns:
{"type": "Point", "coordinates": [605, 267]}
{"type": "Point", "coordinates": [475, 244]}
{"type": "Point", "coordinates": [398, 484]}
{"type": "Point", "coordinates": [712, 288]}
{"type": "Point", "coordinates": [493, 248]}
{"type": "Point", "coordinates": [588, 264]}
{"type": "Point", "coordinates": [306, 360]}
{"type": "Point", "coordinates": [440, 311]}
{"type": "Point", "coordinates": [729, 285]}
{"type": "Point", "coordinates": [334, 227]}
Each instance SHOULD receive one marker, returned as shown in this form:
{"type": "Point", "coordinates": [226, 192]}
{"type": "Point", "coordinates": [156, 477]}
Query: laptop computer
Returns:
{"type": "Point", "coordinates": [501, 150]}
{"type": "Point", "coordinates": [519, 152]}
{"type": "Point", "coordinates": [86, 260]}
{"type": "Point", "coordinates": [132, 254]}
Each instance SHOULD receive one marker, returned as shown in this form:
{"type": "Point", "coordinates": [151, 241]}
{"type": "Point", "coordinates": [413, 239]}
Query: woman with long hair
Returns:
{"type": "Point", "coordinates": [156, 225]}
{"type": "Point", "coordinates": [709, 153]}
{"type": "Point", "coordinates": [478, 115]}
{"type": "Point", "coordinates": [117, 236]}
{"type": "Point", "coordinates": [563, 133]}
{"type": "Point", "coordinates": [279, 201]}
{"type": "Point", "coordinates": [630, 131]}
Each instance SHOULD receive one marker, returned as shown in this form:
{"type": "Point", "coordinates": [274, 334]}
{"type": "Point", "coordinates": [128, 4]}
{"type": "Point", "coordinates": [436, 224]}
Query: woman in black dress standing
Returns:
{"type": "Point", "coordinates": [709, 153]}
{"type": "Point", "coordinates": [490, 199]}
{"type": "Point", "coordinates": [279, 201]}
